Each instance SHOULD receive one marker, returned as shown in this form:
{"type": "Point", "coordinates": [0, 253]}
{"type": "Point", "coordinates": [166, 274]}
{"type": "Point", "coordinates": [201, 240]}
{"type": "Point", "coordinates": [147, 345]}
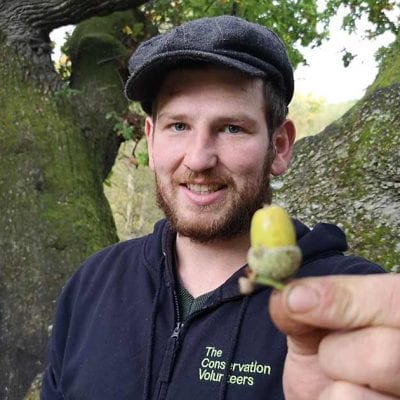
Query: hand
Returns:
{"type": "Point", "coordinates": [343, 337]}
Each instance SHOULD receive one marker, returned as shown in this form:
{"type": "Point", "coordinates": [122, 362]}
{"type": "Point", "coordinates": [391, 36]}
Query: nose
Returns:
{"type": "Point", "coordinates": [201, 152]}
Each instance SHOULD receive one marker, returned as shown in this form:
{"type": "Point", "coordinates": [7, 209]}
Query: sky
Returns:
{"type": "Point", "coordinates": [324, 76]}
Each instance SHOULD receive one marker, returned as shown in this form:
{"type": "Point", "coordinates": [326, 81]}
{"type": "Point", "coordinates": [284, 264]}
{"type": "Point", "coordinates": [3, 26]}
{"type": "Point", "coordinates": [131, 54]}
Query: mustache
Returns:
{"type": "Point", "coordinates": [204, 177]}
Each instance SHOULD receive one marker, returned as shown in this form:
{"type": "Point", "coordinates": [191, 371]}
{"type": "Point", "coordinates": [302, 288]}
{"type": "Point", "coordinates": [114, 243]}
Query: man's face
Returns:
{"type": "Point", "coordinates": [209, 149]}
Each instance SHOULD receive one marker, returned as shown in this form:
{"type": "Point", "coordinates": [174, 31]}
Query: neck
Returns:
{"type": "Point", "coordinates": [203, 267]}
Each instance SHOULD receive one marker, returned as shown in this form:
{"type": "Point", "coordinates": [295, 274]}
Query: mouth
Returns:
{"type": "Point", "coordinates": [204, 188]}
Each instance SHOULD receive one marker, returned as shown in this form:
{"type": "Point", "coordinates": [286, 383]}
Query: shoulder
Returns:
{"type": "Point", "coordinates": [124, 261]}
{"type": "Point", "coordinates": [335, 264]}
{"type": "Point", "coordinates": [323, 247]}
{"type": "Point", "coordinates": [112, 259]}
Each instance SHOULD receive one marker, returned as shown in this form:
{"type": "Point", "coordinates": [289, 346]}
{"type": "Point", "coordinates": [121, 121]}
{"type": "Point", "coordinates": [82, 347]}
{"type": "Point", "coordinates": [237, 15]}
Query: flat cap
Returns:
{"type": "Point", "coordinates": [225, 40]}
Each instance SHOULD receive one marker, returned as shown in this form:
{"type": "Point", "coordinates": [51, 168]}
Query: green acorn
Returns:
{"type": "Point", "coordinates": [273, 256]}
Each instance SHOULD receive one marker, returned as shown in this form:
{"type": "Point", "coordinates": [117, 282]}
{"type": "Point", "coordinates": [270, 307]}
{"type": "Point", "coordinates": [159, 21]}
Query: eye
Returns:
{"type": "Point", "coordinates": [232, 129]}
{"type": "Point", "coordinates": [179, 127]}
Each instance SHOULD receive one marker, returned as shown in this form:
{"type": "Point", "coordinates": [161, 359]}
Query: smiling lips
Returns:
{"type": "Point", "coordinates": [202, 194]}
{"type": "Point", "coordinates": [204, 188]}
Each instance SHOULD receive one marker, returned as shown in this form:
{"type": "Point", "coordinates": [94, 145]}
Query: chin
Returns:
{"type": "Point", "coordinates": [204, 229]}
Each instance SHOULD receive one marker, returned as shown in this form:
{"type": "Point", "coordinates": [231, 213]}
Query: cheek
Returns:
{"type": "Point", "coordinates": [166, 158]}
{"type": "Point", "coordinates": [248, 160]}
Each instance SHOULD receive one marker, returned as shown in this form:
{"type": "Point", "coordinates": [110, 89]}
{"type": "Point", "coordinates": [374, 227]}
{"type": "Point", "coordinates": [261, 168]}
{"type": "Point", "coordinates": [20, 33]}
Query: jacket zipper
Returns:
{"type": "Point", "coordinates": [169, 358]}
{"type": "Point", "coordinates": [170, 354]}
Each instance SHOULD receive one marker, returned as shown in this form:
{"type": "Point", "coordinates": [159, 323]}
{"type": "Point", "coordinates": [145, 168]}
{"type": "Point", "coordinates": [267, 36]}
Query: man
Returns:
{"type": "Point", "coordinates": [161, 317]}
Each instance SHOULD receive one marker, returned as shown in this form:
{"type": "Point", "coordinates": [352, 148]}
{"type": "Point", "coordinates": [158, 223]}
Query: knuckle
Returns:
{"type": "Point", "coordinates": [339, 306]}
{"type": "Point", "coordinates": [392, 310]}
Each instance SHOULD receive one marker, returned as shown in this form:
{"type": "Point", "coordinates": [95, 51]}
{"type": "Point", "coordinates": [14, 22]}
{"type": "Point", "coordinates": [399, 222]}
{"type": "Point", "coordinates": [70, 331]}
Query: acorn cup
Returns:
{"type": "Point", "coordinates": [273, 256]}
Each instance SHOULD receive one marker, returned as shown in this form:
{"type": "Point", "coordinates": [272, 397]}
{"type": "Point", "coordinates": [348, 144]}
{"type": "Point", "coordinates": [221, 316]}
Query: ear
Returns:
{"type": "Point", "coordinates": [149, 130]}
{"type": "Point", "coordinates": [283, 141]}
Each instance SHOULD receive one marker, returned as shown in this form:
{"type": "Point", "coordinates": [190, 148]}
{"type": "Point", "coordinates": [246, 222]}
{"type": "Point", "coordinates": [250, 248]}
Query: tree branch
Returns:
{"type": "Point", "coordinates": [26, 25]}
{"type": "Point", "coordinates": [45, 16]}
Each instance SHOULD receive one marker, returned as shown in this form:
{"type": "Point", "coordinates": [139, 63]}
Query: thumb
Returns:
{"type": "Point", "coordinates": [307, 308]}
{"type": "Point", "coordinates": [303, 338]}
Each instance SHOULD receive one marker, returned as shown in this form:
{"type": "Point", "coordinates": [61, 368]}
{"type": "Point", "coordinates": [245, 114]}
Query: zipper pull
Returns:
{"type": "Point", "coordinates": [177, 331]}
{"type": "Point", "coordinates": [169, 357]}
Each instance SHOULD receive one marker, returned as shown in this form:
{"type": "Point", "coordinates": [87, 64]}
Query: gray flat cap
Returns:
{"type": "Point", "coordinates": [225, 40]}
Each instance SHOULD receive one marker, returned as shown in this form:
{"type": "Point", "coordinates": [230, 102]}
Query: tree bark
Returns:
{"type": "Point", "coordinates": [54, 153]}
{"type": "Point", "coordinates": [44, 16]}
{"type": "Point", "coordinates": [27, 25]}
{"type": "Point", "coordinates": [349, 174]}
{"type": "Point", "coordinates": [53, 215]}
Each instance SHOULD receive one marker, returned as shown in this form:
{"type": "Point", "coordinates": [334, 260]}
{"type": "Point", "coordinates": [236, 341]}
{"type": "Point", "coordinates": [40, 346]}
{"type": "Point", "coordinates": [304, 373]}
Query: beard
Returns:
{"type": "Point", "coordinates": [234, 222]}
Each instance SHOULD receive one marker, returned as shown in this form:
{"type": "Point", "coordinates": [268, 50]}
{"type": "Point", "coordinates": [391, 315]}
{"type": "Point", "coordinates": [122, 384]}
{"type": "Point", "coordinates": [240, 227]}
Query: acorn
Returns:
{"type": "Point", "coordinates": [273, 256]}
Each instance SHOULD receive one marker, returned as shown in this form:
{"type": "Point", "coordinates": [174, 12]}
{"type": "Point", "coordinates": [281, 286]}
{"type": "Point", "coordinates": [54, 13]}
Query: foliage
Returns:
{"type": "Point", "coordinates": [134, 31]}
{"type": "Point", "coordinates": [64, 67]}
{"type": "Point", "coordinates": [121, 127]}
{"type": "Point", "coordinates": [143, 158]}
{"type": "Point", "coordinates": [347, 57]}
{"type": "Point", "coordinates": [383, 16]}
{"type": "Point", "coordinates": [296, 22]}
{"type": "Point", "coordinates": [300, 23]}
{"type": "Point", "coordinates": [63, 64]}
{"type": "Point", "coordinates": [380, 13]}
{"type": "Point", "coordinates": [389, 72]}
{"type": "Point", "coordinates": [129, 126]}
{"type": "Point", "coordinates": [312, 114]}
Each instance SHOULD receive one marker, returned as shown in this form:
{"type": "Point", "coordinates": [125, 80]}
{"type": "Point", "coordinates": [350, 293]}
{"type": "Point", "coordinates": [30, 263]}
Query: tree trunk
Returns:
{"type": "Point", "coordinates": [349, 174]}
{"type": "Point", "coordinates": [53, 157]}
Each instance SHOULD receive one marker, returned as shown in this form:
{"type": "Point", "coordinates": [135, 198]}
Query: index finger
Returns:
{"type": "Point", "coordinates": [338, 302]}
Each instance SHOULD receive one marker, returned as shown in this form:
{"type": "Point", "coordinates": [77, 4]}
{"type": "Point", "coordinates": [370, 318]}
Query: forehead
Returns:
{"type": "Point", "coordinates": [231, 87]}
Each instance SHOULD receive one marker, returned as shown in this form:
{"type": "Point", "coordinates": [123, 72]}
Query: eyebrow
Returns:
{"type": "Point", "coordinates": [236, 118]}
{"type": "Point", "coordinates": [239, 119]}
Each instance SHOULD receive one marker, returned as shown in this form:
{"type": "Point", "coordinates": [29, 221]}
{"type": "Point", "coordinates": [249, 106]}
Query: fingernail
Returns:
{"type": "Point", "coordinates": [302, 298]}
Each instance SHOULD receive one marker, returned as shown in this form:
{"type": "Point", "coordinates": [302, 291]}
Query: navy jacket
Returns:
{"type": "Point", "coordinates": [118, 334]}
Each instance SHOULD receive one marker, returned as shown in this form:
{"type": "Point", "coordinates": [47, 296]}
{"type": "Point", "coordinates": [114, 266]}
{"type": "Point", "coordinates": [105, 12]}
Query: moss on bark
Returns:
{"type": "Point", "coordinates": [54, 214]}
{"type": "Point", "coordinates": [349, 174]}
{"type": "Point", "coordinates": [389, 71]}
{"type": "Point", "coordinates": [99, 51]}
